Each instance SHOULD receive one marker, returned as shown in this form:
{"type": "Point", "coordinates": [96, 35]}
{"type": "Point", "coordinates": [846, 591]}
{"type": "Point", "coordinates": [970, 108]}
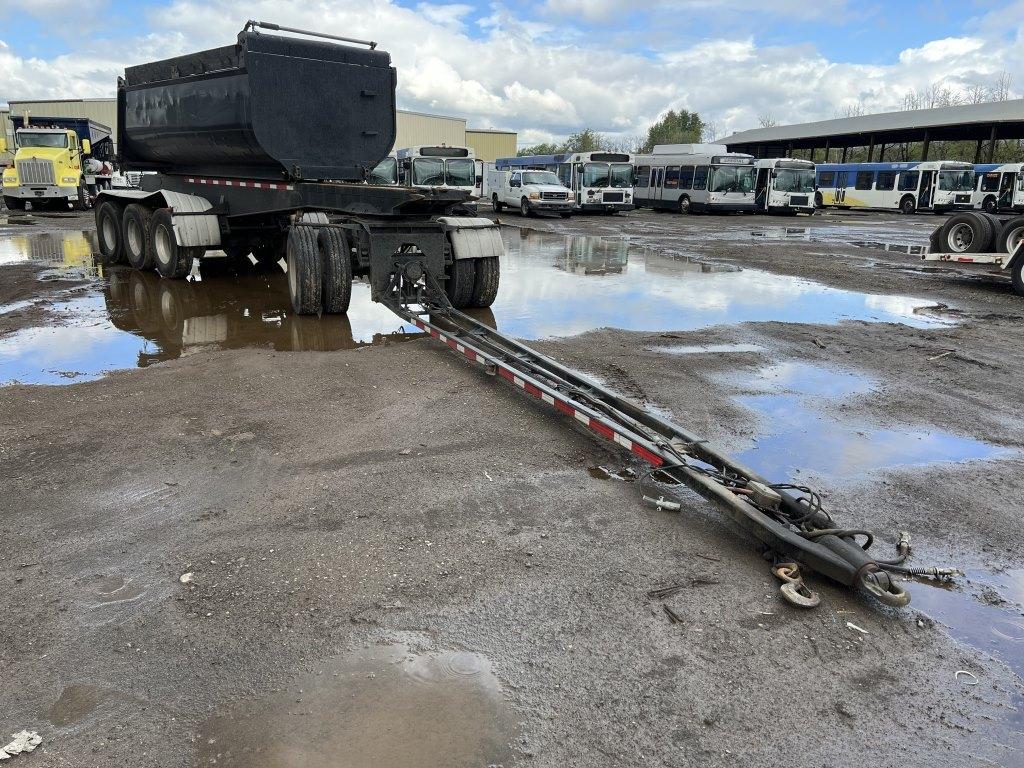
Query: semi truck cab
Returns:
{"type": "Point", "coordinates": [57, 160]}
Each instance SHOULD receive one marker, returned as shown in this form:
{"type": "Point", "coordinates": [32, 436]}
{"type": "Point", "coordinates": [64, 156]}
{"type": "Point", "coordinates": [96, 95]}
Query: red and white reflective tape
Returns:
{"type": "Point", "coordinates": [240, 183]}
{"type": "Point", "coordinates": [603, 428]}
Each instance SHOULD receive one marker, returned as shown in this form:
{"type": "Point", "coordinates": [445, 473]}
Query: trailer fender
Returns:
{"type": "Point", "coordinates": [473, 237]}
{"type": "Point", "coordinates": [192, 225]}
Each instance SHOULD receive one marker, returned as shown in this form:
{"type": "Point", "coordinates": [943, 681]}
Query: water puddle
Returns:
{"type": "Point", "coordinates": [386, 707]}
{"type": "Point", "coordinates": [77, 702]}
{"type": "Point", "coordinates": [899, 239]}
{"type": "Point", "coordinates": [552, 285]}
{"type": "Point", "coordinates": [114, 589]}
{"type": "Point", "coordinates": [797, 435]}
{"type": "Point", "coordinates": [709, 349]}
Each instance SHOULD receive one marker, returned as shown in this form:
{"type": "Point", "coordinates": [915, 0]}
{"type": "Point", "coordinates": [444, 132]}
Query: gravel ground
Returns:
{"type": "Point", "coordinates": [324, 503]}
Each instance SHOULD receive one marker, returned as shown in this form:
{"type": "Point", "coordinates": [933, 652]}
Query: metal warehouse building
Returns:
{"type": "Point", "coordinates": [413, 127]}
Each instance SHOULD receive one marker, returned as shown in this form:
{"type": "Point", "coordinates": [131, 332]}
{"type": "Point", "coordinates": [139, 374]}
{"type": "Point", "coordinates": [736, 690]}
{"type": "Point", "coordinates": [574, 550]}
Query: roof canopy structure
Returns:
{"type": "Point", "coordinates": [973, 122]}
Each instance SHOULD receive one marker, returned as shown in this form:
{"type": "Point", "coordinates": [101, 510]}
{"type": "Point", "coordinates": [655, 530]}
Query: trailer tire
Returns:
{"type": "Point", "coordinates": [135, 224]}
{"type": "Point", "coordinates": [1010, 235]}
{"type": "Point", "coordinates": [305, 270]}
{"type": "Point", "coordinates": [966, 232]}
{"type": "Point", "coordinates": [907, 205]}
{"type": "Point", "coordinates": [935, 240]}
{"type": "Point", "coordinates": [485, 285]}
{"type": "Point", "coordinates": [109, 232]}
{"type": "Point", "coordinates": [1017, 277]}
{"type": "Point", "coordinates": [173, 261]}
{"type": "Point", "coordinates": [461, 282]}
{"type": "Point", "coordinates": [496, 204]}
{"type": "Point", "coordinates": [336, 264]}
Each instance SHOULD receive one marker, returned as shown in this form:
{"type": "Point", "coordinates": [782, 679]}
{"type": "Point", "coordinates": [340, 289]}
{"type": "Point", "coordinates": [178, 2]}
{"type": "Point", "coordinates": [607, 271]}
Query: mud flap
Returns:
{"type": "Point", "coordinates": [473, 237]}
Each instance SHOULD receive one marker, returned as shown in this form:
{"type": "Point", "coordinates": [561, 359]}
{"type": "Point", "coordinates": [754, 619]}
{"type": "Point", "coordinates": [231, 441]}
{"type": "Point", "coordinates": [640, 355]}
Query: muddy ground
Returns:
{"type": "Point", "coordinates": [390, 558]}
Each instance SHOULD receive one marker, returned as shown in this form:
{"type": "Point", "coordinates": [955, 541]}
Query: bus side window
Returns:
{"type": "Point", "coordinates": [565, 174]}
{"type": "Point", "coordinates": [827, 179]}
{"type": "Point", "coordinates": [643, 177]}
{"type": "Point", "coordinates": [886, 180]}
{"type": "Point", "coordinates": [908, 181]}
{"type": "Point", "coordinates": [864, 179]}
{"type": "Point", "coordinates": [700, 177]}
{"type": "Point", "coordinates": [672, 177]}
{"type": "Point", "coordinates": [686, 177]}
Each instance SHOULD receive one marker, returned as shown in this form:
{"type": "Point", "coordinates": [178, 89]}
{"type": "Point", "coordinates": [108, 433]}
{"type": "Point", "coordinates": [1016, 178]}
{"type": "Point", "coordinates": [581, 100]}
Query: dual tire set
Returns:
{"type": "Point", "coordinates": [977, 232]}
{"type": "Point", "coordinates": [144, 238]}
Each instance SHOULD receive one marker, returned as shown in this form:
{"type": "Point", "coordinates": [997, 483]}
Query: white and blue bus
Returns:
{"type": "Point", "coordinates": [695, 183]}
{"type": "Point", "coordinates": [940, 185]}
{"type": "Point", "coordinates": [600, 181]}
{"type": "Point", "coordinates": [999, 187]}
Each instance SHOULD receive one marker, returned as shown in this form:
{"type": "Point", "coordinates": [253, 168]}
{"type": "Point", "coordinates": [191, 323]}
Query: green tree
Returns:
{"type": "Point", "coordinates": [587, 140]}
{"type": "Point", "coordinates": [547, 148]}
{"type": "Point", "coordinates": [682, 127]}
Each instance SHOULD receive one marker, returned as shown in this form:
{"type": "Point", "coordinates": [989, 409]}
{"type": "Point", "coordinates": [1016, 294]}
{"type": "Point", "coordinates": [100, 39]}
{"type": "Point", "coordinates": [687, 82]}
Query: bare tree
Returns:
{"type": "Point", "coordinates": [977, 94]}
{"type": "Point", "coordinates": [1001, 90]}
{"type": "Point", "coordinates": [710, 131]}
{"type": "Point", "coordinates": [767, 120]}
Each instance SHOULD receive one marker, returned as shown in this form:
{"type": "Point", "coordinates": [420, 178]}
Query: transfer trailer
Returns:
{"type": "Point", "coordinates": [984, 239]}
{"type": "Point", "coordinates": [261, 149]}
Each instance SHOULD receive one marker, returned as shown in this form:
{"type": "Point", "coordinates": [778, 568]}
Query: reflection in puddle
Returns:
{"type": "Point", "coordinates": [896, 239]}
{"type": "Point", "coordinates": [797, 436]}
{"type": "Point", "coordinates": [551, 285]}
{"type": "Point", "coordinates": [708, 349]}
{"type": "Point", "coordinates": [386, 707]}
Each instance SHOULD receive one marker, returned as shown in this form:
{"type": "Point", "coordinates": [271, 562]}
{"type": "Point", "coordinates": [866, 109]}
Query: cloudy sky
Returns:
{"type": "Point", "coordinates": [546, 68]}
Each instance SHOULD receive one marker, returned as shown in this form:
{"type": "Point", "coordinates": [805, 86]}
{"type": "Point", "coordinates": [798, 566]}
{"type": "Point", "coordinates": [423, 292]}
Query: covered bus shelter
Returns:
{"type": "Point", "coordinates": [984, 124]}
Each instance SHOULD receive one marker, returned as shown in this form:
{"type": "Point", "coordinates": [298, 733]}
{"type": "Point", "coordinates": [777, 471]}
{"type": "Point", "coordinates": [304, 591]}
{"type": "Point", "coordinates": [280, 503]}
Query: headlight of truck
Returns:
{"type": "Point", "coordinates": [534, 195]}
{"type": "Point", "coordinates": [10, 177]}
{"type": "Point", "coordinates": [68, 179]}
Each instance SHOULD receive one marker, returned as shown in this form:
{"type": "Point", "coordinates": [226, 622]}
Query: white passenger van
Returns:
{"type": "Point", "coordinates": [708, 181]}
{"type": "Point", "coordinates": [784, 185]}
{"type": "Point", "coordinates": [600, 181]}
{"type": "Point", "coordinates": [999, 187]}
{"type": "Point", "coordinates": [437, 166]}
{"type": "Point", "coordinates": [940, 185]}
{"type": "Point", "coordinates": [529, 191]}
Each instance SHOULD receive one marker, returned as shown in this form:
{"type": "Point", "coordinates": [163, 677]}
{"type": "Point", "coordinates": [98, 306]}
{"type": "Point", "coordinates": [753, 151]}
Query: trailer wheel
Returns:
{"type": "Point", "coordinates": [172, 260]}
{"type": "Point", "coordinates": [965, 233]}
{"type": "Point", "coordinates": [336, 265]}
{"type": "Point", "coordinates": [135, 224]}
{"type": "Point", "coordinates": [461, 282]}
{"type": "Point", "coordinates": [1017, 277]}
{"type": "Point", "coordinates": [109, 232]}
{"type": "Point", "coordinates": [1010, 235]}
{"type": "Point", "coordinates": [305, 270]}
{"type": "Point", "coordinates": [485, 285]}
{"type": "Point", "coordinates": [496, 204]}
{"type": "Point", "coordinates": [907, 205]}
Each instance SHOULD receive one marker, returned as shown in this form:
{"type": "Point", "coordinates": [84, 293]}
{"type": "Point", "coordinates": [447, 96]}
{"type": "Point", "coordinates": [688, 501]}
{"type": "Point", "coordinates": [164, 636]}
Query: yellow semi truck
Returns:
{"type": "Point", "coordinates": [58, 160]}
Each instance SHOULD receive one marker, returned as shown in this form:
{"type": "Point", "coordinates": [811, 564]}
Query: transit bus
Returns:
{"type": "Point", "coordinates": [784, 185]}
{"type": "Point", "coordinates": [430, 167]}
{"type": "Point", "coordinates": [694, 183]}
{"type": "Point", "coordinates": [600, 181]}
{"type": "Point", "coordinates": [940, 185]}
{"type": "Point", "coordinates": [999, 187]}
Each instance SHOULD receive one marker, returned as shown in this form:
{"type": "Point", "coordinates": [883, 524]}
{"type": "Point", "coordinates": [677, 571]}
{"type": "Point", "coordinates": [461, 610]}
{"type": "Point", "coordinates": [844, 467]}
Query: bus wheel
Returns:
{"type": "Point", "coordinates": [990, 205]}
{"type": "Point", "coordinates": [496, 204]}
{"type": "Point", "coordinates": [684, 204]}
{"type": "Point", "coordinates": [907, 206]}
{"type": "Point", "coordinates": [819, 201]}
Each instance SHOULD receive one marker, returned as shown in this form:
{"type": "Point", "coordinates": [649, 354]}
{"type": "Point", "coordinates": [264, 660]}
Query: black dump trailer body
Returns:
{"type": "Point", "coordinates": [269, 107]}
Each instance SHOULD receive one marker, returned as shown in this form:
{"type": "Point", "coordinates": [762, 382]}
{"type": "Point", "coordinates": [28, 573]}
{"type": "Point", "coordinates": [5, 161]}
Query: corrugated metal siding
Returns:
{"type": "Point", "coordinates": [103, 111]}
{"type": "Point", "coordinates": [490, 145]}
{"type": "Point", "coordinates": [7, 132]}
{"type": "Point", "coordinates": [415, 128]}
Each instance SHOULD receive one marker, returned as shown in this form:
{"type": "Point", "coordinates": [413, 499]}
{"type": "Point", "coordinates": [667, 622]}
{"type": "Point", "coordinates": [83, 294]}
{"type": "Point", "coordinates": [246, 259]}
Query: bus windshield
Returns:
{"type": "Point", "coordinates": [55, 140]}
{"type": "Point", "coordinates": [729, 178]}
{"type": "Point", "coordinates": [386, 172]}
{"type": "Point", "coordinates": [789, 180]}
{"type": "Point", "coordinates": [595, 175]}
{"type": "Point", "coordinates": [621, 175]}
{"type": "Point", "coordinates": [956, 181]}
{"type": "Point", "coordinates": [428, 171]}
{"type": "Point", "coordinates": [541, 177]}
{"type": "Point", "coordinates": [461, 173]}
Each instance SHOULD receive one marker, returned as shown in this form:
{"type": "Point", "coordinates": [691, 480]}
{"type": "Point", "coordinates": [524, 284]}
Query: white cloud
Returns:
{"type": "Point", "coordinates": [510, 72]}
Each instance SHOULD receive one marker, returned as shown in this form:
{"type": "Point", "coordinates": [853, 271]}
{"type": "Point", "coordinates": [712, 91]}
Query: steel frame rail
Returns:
{"type": "Point", "coordinates": [674, 453]}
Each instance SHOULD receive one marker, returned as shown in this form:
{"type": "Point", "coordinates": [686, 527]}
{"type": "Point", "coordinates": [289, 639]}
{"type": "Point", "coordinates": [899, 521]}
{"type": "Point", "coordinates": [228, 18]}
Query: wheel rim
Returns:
{"type": "Point", "coordinates": [1013, 239]}
{"type": "Point", "coordinates": [109, 233]}
{"type": "Point", "coordinates": [960, 237]}
{"type": "Point", "coordinates": [162, 246]}
{"type": "Point", "coordinates": [524, 207]}
{"type": "Point", "coordinates": [134, 237]}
